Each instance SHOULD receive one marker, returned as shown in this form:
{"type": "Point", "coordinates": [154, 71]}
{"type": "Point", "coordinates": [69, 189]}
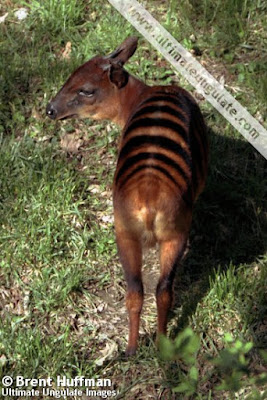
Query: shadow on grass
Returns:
{"type": "Point", "coordinates": [228, 226]}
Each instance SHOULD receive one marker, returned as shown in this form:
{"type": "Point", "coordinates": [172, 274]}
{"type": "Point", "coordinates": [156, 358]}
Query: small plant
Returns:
{"type": "Point", "coordinates": [184, 348]}
{"type": "Point", "coordinates": [231, 364]}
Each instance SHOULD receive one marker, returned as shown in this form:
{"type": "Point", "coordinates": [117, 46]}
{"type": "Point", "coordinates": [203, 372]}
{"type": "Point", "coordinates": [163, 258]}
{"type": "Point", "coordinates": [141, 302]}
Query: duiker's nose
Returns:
{"type": "Point", "coordinates": [51, 112]}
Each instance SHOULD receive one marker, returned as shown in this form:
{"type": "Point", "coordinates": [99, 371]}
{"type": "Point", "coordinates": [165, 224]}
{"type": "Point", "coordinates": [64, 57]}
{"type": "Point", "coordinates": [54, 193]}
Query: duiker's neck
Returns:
{"type": "Point", "coordinates": [129, 97]}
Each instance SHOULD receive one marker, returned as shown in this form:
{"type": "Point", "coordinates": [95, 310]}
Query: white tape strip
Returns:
{"type": "Point", "coordinates": [194, 72]}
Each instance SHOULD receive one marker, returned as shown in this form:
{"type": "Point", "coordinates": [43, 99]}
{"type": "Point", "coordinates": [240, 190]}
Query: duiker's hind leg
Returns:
{"type": "Point", "coordinates": [171, 252]}
{"type": "Point", "coordinates": [130, 252]}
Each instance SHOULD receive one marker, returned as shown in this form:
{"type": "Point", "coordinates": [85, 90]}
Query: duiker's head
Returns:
{"type": "Point", "coordinates": [91, 91]}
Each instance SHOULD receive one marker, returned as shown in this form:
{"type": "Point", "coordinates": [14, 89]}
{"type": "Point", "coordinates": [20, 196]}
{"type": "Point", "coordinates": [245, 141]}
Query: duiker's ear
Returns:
{"type": "Point", "coordinates": [122, 54]}
{"type": "Point", "coordinates": [117, 75]}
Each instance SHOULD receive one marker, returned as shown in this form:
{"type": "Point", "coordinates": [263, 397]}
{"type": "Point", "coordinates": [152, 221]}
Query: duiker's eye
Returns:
{"type": "Point", "coordinates": [86, 93]}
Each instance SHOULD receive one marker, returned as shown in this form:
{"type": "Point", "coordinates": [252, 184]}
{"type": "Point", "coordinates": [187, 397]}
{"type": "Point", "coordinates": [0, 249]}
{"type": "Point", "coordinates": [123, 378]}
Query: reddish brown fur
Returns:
{"type": "Point", "coordinates": [160, 171]}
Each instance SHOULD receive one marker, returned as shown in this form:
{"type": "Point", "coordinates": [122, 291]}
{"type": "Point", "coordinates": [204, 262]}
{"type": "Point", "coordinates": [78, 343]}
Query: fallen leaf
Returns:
{"type": "Point", "coordinates": [71, 143]}
{"type": "Point", "coordinates": [108, 352]}
{"type": "Point", "coordinates": [66, 52]}
{"type": "Point", "coordinates": [3, 360]}
{"type": "Point", "coordinates": [2, 19]}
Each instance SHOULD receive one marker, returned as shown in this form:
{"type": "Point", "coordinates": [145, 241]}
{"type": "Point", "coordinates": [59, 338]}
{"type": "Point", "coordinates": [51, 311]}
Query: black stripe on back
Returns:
{"type": "Point", "coordinates": [157, 122]}
{"type": "Point", "coordinates": [158, 108]}
{"type": "Point", "coordinates": [145, 166]}
{"type": "Point", "coordinates": [149, 156]}
{"type": "Point", "coordinates": [169, 97]}
{"type": "Point", "coordinates": [160, 141]}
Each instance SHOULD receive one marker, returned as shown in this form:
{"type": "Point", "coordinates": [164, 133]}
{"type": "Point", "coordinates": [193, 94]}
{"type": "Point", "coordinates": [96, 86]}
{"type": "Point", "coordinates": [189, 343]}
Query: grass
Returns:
{"type": "Point", "coordinates": [62, 288]}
